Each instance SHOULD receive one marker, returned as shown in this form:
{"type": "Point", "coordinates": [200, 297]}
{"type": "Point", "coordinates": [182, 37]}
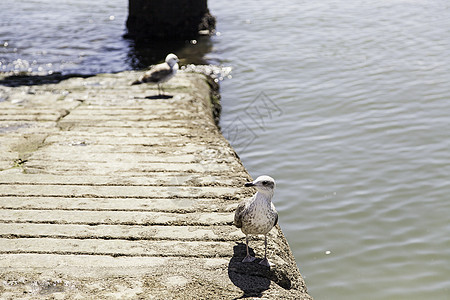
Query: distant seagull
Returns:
{"type": "Point", "coordinates": [257, 215]}
{"type": "Point", "coordinates": [161, 72]}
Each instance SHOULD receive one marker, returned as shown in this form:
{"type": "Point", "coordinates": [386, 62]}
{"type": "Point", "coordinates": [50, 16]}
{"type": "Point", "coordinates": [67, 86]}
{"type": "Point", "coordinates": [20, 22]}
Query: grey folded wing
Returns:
{"type": "Point", "coordinates": [157, 74]}
{"type": "Point", "coordinates": [238, 214]}
{"type": "Point", "coordinates": [276, 214]}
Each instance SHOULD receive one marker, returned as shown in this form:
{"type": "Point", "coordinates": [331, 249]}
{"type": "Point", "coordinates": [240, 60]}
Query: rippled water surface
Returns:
{"type": "Point", "coordinates": [354, 123]}
{"type": "Point", "coordinates": [345, 103]}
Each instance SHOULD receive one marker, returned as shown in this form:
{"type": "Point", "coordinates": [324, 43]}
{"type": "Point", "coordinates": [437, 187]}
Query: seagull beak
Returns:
{"type": "Point", "coordinates": [249, 184]}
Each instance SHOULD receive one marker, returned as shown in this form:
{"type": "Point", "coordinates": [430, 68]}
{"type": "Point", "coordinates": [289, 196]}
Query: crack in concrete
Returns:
{"type": "Point", "coordinates": [121, 238]}
{"type": "Point", "coordinates": [115, 254]}
{"type": "Point", "coordinates": [220, 197]}
{"type": "Point", "coordinates": [169, 223]}
{"type": "Point", "coordinates": [174, 210]}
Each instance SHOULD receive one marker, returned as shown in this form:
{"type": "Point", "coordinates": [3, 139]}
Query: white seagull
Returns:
{"type": "Point", "coordinates": [161, 72]}
{"type": "Point", "coordinates": [257, 215]}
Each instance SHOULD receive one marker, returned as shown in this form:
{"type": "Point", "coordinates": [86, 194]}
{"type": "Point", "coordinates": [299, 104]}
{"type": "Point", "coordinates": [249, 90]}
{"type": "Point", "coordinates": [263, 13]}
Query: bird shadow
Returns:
{"type": "Point", "coordinates": [252, 277]}
{"type": "Point", "coordinates": [156, 97]}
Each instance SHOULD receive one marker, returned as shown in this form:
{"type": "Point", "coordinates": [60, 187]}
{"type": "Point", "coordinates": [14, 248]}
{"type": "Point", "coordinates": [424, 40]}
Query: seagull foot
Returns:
{"type": "Point", "coordinates": [265, 262]}
{"type": "Point", "coordinates": [248, 258]}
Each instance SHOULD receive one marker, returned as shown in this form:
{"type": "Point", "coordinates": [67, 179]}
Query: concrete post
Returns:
{"type": "Point", "coordinates": [168, 19]}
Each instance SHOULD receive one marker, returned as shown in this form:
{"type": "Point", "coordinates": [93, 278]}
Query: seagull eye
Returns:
{"type": "Point", "coordinates": [265, 182]}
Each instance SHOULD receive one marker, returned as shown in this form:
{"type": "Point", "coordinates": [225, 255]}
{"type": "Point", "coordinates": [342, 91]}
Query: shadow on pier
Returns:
{"type": "Point", "coordinates": [28, 79]}
{"type": "Point", "coordinates": [252, 278]}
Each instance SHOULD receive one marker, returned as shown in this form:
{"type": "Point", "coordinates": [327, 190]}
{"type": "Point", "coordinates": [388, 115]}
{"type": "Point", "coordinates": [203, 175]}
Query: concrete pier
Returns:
{"type": "Point", "coordinates": [109, 192]}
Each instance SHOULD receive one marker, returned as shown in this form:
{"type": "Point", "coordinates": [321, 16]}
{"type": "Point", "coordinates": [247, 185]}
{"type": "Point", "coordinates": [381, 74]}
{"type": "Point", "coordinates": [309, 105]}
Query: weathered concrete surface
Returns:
{"type": "Point", "coordinates": [107, 192]}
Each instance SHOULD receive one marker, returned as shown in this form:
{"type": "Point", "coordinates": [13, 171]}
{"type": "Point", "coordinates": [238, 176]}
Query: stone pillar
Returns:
{"type": "Point", "coordinates": [168, 19]}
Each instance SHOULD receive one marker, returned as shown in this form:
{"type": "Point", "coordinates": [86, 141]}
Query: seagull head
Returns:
{"type": "Point", "coordinates": [264, 184]}
{"type": "Point", "coordinates": [172, 60]}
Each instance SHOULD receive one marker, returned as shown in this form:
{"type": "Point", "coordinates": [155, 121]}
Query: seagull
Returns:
{"type": "Point", "coordinates": [161, 72]}
{"type": "Point", "coordinates": [257, 215]}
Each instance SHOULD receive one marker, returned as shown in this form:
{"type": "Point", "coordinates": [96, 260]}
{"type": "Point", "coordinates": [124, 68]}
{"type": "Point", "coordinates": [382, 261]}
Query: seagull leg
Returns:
{"type": "Point", "coordinates": [265, 261]}
{"type": "Point", "coordinates": [248, 258]}
{"type": "Point", "coordinates": [159, 89]}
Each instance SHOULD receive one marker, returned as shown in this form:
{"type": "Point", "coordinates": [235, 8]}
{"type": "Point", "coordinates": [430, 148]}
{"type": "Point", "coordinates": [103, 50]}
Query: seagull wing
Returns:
{"type": "Point", "coordinates": [276, 214]}
{"type": "Point", "coordinates": [157, 73]}
{"type": "Point", "coordinates": [238, 214]}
